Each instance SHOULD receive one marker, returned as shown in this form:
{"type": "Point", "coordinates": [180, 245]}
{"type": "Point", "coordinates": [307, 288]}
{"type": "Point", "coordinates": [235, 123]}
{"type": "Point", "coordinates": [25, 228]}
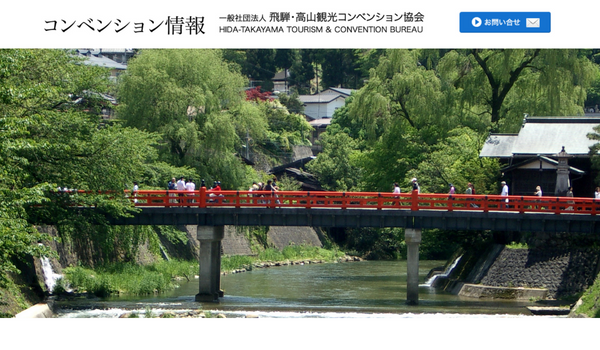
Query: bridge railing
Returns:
{"type": "Point", "coordinates": [366, 200]}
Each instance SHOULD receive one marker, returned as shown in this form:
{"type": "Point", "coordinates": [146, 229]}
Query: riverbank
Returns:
{"type": "Point", "coordinates": [153, 279]}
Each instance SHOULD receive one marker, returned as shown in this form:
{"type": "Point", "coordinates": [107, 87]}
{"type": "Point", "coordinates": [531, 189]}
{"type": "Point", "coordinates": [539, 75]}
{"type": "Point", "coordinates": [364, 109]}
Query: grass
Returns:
{"type": "Point", "coordinates": [515, 245]}
{"type": "Point", "coordinates": [591, 301]}
{"type": "Point", "coordinates": [129, 278]}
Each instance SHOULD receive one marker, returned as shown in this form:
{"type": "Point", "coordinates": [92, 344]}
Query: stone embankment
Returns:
{"type": "Point", "coordinates": [267, 264]}
{"type": "Point", "coordinates": [538, 273]}
{"type": "Point", "coordinates": [563, 272]}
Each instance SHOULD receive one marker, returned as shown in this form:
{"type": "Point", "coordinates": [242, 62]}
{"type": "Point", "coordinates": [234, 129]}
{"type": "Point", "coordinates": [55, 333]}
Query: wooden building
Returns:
{"type": "Point", "coordinates": [531, 157]}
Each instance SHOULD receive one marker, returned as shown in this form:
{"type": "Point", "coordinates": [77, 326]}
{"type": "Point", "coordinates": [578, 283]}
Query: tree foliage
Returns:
{"type": "Point", "coordinates": [426, 114]}
{"type": "Point", "coordinates": [52, 136]}
{"type": "Point", "coordinates": [194, 100]}
{"type": "Point", "coordinates": [505, 84]}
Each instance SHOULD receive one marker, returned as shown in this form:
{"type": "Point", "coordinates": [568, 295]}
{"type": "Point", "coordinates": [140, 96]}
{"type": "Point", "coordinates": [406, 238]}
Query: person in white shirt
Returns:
{"type": "Point", "coordinates": [181, 187]}
{"type": "Point", "coordinates": [504, 192]}
{"type": "Point", "coordinates": [190, 186]}
{"type": "Point", "coordinates": [397, 189]}
{"type": "Point", "coordinates": [397, 192]}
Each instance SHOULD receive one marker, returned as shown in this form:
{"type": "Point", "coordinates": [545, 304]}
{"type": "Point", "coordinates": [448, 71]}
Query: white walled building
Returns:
{"type": "Point", "coordinates": [324, 104]}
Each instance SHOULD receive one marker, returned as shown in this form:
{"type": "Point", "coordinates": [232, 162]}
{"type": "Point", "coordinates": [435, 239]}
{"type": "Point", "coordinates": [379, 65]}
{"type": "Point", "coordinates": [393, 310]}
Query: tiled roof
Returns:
{"type": "Point", "coordinates": [544, 136]}
{"type": "Point", "coordinates": [103, 62]}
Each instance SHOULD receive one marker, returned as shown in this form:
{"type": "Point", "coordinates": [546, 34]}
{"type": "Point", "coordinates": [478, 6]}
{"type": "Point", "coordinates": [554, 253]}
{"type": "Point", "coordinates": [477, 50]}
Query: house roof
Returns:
{"type": "Point", "coordinates": [319, 98]}
{"type": "Point", "coordinates": [548, 135]}
{"type": "Point", "coordinates": [320, 123]}
{"type": "Point", "coordinates": [281, 75]}
{"type": "Point", "coordinates": [342, 91]}
{"type": "Point", "coordinates": [544, 136]}
{"type": "Point", "coordinates": [299, 163]}
{"type": "Point", "coordinates": [103, 62]}
{"type": "Point", "coordinates": [499, 146]}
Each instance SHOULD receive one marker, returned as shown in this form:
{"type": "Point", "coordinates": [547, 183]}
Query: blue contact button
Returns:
{"type": "Point", "coordinates": [505, 22]}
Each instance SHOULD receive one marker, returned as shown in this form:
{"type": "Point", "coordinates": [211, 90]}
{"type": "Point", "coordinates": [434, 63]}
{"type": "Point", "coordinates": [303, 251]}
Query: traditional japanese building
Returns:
{"type": "Point", "coordinates": [544, 150]}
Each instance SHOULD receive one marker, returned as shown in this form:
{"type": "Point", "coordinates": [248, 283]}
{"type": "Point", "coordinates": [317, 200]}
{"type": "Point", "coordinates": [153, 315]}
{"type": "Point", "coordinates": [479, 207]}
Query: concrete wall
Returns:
{"type": "Point", "coordinates": [281, 237]}
{"type": "Point", "coordinates": [235, 243]}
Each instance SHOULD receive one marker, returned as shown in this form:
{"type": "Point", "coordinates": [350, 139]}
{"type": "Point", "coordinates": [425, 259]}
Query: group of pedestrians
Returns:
{"type": "Point", "coordinates": [189, 186]}
{"type": "Point", "coordinates": [271, 186]}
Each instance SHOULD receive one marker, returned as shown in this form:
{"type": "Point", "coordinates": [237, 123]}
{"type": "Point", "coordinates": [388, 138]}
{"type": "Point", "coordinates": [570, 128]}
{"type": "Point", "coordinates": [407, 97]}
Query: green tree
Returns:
{"type": "Point", "coordinates": [455, 160]}
{"type": "Point", "coordinates": [340, 68]}
{"type": "Point", "coordinates": [194, 100]}
{"type": "Point", "coordinates": [334, 166]}
{"type": "Point", "coordinates": [302, 71]}
{"type": "Point", "coordinates": [51, 135]}
{"type": "Point", "coordinates": [260, 65]}
{"type": "Point", "coordinates": [504, 84]}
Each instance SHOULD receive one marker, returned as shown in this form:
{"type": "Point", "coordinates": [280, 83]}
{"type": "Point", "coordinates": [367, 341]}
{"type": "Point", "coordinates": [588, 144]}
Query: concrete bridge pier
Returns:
{"type": "Point", "coordinates": [210, 238]}
{"type": "Point", "coordinates": [412, 238]}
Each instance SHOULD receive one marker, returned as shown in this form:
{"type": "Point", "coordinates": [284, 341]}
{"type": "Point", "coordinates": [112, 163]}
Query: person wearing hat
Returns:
{"type": "Point", "coordinates": [252, 188]}
{"type": "Point", "coordinates": [504, 192]}
{"type": "Point", "coordinates": [415, 185]}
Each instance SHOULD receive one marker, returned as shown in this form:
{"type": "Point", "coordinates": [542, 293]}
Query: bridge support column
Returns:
{"type": "Point", "coordinates": [210, 238]}
{"type": "Point", "coordinates": [412, 238]}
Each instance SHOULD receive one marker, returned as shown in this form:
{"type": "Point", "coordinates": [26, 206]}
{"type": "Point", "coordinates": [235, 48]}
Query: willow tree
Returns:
{"type": "Point", "coordinates": [503, 85]}
{"type": "Point", "coordinates": [193, 99]}
{"type": "Point", "coordinates": [401, 110]}
{"type": "Point", "coordinates": [400, 90]}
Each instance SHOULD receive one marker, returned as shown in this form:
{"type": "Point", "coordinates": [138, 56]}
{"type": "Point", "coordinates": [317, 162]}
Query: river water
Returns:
{"type": "Point", "coordinates": [367, 289]}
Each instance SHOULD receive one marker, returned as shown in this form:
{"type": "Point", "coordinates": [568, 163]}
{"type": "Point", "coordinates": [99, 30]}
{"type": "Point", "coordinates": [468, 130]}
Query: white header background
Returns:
{"type": "Point", "coordinates": [574, 24]}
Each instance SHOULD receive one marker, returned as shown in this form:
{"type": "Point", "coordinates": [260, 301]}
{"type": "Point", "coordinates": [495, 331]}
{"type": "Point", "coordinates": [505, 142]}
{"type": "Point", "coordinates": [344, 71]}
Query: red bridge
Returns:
{"type": "Point", "coordinates": [366, 200]}
{"type": "Point", "coordinates": [210, 211]}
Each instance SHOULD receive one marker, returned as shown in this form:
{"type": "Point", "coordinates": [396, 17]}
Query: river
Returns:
{"type": "Point", "coordinates": [354, 305]}
{"type": "Point", "coordinates": [367, 289]}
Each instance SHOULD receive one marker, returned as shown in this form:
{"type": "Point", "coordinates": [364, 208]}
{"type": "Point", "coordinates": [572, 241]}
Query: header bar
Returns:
{"type": "Point", "coordinates": [306, 24]}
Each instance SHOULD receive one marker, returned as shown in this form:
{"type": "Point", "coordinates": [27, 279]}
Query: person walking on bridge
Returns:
{"type": "Point", "coordinates": [397, 192]}
{"type": "Point", "coordinates": [172, 186]}
{"type": "Point", "coordinates": [190, 186]}
{"type": "Point", "coordinates": [504, 192]}
{"type": "Point", "coordinates": [397, 189]}
{"type": "Point", "coordinates": [471, 190]}
{"type": "Point", "coordinates": [415, 185]}
{"type": "Point", "coordinates": [181, 187]}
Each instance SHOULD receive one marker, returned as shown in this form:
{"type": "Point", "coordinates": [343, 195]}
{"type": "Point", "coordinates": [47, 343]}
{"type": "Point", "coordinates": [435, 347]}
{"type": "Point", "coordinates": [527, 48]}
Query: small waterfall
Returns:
{"type": "Point", "coordinates": [164, 252]}
{"type": "Point", "coordinates": [446, 273]}
{"type": "Point", "coordinates": [50, 277]}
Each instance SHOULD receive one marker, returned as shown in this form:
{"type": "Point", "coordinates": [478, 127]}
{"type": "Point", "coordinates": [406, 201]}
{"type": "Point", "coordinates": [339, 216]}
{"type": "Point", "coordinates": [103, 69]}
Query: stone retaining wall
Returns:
{"type": "Point", "coordinates": [281, 236]}
{"type": "Point", "coordinates": [235, 243]}
{"type": "Point", "coordinates": [562, 271]}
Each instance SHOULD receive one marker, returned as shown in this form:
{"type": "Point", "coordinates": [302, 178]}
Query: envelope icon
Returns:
{"type": "Point", "coordinates": [532, 22]}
